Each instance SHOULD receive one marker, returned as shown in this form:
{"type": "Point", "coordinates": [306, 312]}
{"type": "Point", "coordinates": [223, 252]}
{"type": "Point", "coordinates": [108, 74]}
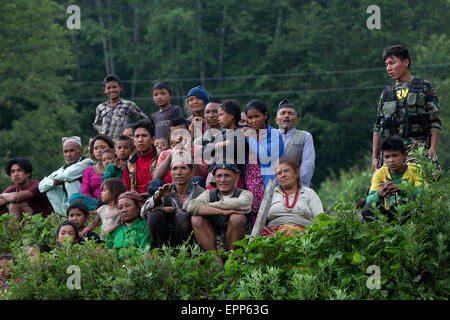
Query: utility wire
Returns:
{"type": "Point", "coordinates": [279, 75]}
{"type": "Point", "coordinates": [265, 93]}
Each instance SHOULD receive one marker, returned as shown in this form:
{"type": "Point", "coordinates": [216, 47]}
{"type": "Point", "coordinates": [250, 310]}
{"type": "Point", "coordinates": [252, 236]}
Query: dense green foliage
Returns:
{"type": "Point", "coordinates": [319, 54]}
{"type": "Point", "coordinates": [331, 261]}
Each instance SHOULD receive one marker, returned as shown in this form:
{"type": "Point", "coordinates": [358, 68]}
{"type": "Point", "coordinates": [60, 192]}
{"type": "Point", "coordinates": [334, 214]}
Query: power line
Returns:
{"type": "Point", "coordinates": [265, 93]}
{"type": "Point", "coordinates": [276, 75]}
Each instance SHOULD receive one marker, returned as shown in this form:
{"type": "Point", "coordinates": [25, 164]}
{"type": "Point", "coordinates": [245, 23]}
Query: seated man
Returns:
{"type": "Point", "coordinates": [24, 196]}
{"type": "Point", "coordinates": [65, 181]}
{"type": "Point", "coordinates": [385, 190]}
{"type": "Point", "coordinates": [168, 222]}
{"type": "Point", "coordinates": [179, 141]}
{"type": "Point", "coordinates": [224, 211]}
{"type": "Point", "coordinates": [137, 173]}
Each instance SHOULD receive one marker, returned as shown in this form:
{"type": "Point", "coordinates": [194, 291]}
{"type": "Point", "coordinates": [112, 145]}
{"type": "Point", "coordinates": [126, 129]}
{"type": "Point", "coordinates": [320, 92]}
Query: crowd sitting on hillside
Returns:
{"type": "Point", "coordinates": [156, 181]}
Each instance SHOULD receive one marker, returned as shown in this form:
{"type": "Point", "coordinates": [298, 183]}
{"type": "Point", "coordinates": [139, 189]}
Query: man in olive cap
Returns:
{"type": "Point", "coordinates": [298, 144]}
{"type": "Point", "coordinates": [222, 212]}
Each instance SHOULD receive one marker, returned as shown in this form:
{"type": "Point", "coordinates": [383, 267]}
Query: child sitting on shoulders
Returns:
{"type": "Point", "coordinates": [108, 213]}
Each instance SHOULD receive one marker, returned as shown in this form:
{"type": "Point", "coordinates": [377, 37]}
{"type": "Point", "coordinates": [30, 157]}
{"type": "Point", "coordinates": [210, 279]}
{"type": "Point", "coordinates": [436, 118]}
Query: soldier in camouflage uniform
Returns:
{"type": "Point", "coordinates": [409, 108]}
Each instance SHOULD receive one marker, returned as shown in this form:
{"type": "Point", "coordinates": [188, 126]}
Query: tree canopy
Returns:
{"type": "Point", "coordinates": [318, 54]}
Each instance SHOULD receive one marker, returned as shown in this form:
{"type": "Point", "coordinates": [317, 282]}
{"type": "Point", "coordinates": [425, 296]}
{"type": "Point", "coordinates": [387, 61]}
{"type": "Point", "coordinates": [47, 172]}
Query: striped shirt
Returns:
{"type": "Point", "coordinates": [112, 120]}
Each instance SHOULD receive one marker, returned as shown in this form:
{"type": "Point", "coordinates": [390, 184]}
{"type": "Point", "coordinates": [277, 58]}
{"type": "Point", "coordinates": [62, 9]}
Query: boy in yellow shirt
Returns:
{"type": "Point", "coordinates": [385, 190]}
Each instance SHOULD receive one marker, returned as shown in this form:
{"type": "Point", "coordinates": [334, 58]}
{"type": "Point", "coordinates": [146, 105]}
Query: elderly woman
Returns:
{"type": "Point", "coordinates": [293, 205]}
{"type": "Point", "coordinates": [133, 231]}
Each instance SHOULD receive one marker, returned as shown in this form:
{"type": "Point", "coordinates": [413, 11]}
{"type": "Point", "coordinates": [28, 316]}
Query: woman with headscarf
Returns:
{"type": "Point", "coordinates": [133, 231]}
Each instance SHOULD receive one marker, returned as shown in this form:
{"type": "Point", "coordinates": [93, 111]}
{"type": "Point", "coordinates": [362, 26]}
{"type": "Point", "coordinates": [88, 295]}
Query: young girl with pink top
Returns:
{"type": "Point", "coordinates": [108, 213]}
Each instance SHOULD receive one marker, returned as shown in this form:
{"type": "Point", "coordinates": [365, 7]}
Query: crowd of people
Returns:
{"type": "Point", "coordinates": [157, 180]}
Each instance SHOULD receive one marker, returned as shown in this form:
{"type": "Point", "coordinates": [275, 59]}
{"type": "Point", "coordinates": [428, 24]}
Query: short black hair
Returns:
{"type": "Point", "coordinates": [147, 124]}
{"type": "Point", "coordinates": [399, 51]}
{"type": "Point", "coordinates": [178, 121]}
{"type": "Point", "coordinates": [393, 142]}
{"type": "Point", "coordinates": [41, 246]}
{"type": "Point", "coordinates": [115, 186]}
{"type": "Point", "coordinates": [24, 163]}
{"type": "Point", "coordinates": [103, 137]}
{"type": "Point", "coordinates": [74, 226]}
{"type": "Point", "coordinates": [78, 204]}
{"type": "Point", "coordinates": [127, 139]}
{"type": "Point", "coordinates": [7, 256]}
{"type": "Point", "coordinates": [110, 151]}
{"type": "Point", "coordinates": [112, 77]}
{"type": "Point", "coordinates": [162, 85]}
{"type": "Point", "coordinates": [259, 106]}
{"type": "Point", "coordinates": [233, 108]}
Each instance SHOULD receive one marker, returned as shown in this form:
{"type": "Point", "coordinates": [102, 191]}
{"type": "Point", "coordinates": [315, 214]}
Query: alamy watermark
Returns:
{"type": "Point", "coordinates": [74, 281]}
{"type": "Point", "coordinates": [374, 21]}
{"type": "Point", "coordinates": [74, 20]}
{"type": "Point", "coordinates": [228, 148]}
{"type": "Point", "coordinates": [374, 281]}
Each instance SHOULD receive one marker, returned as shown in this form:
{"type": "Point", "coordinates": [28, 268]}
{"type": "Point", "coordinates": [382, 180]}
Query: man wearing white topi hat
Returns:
{"type": "Point", "coordinates": [66, 180]}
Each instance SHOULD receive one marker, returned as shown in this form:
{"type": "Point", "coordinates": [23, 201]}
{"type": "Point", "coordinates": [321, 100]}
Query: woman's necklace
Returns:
{"type": "Point", "coordinates": [286, 200]}
{"type": "Point", "coordinates": [98, 170]}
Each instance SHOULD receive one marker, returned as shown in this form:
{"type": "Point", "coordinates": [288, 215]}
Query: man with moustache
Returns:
{"type": "Point", "coordinates": [298, 144]}
{"type": "Point", "coordinates": [212, 120]}
{"type": "Point", "coordinates": [64, 182]}
{"type": "Point", "coordinates": [168, 222]}
{"type": "Point", "coordinates": [223, 212]}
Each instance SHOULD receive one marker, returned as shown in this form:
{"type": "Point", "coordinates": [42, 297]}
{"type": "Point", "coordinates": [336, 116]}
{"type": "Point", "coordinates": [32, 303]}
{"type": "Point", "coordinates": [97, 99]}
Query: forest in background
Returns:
{"type": "Point", "coordinates": [318, 54]}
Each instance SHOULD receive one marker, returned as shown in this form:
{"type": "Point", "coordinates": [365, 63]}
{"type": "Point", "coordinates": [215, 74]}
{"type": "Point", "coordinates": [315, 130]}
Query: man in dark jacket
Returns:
{"type": "Point", "coordinates": [168, 222]}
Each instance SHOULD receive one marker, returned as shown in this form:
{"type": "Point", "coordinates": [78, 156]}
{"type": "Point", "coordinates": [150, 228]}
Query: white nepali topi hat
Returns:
{"type": "Point", "coordinates": [73, 139]}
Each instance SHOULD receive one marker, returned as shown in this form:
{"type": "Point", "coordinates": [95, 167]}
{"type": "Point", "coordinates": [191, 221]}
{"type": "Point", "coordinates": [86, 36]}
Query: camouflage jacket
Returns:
{"type": "Point", "coordinates": [423, 100]}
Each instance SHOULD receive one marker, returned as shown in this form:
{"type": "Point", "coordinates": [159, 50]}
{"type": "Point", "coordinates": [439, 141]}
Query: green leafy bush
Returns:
{"type": "Point", "coordinates": [350, 187]}
{"type": "Point", "coordinates": [331, 261]}
{"type": "Point", "coordinates": [337, 259]}
{"type": "Point", "coordinates": [164, 274]}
